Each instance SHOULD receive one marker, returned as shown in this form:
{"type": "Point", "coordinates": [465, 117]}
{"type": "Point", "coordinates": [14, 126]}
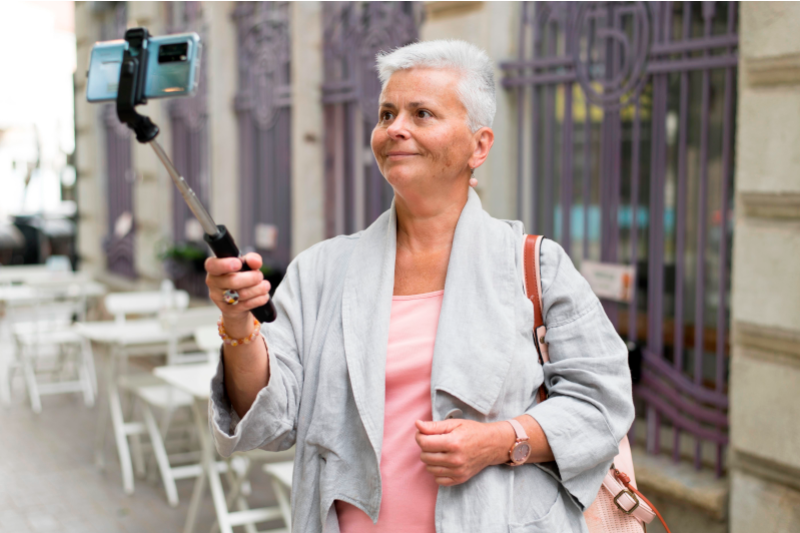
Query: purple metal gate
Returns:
{"type": "Point", "coordinates": [263, 106]}
{"type": "Point", "coordinates": [625, 139]}
{"type": "Point", "coordinates": [119, 243]}
{"type": "Point", "coordinates": [354, 32]}
{"type": "Point", "coordinates": [189, 129]}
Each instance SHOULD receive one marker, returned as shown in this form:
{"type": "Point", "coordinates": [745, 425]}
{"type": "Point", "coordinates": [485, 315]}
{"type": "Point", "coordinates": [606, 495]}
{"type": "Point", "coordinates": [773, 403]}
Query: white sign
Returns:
{"type": "Point", "coordinates": [266, 236]}
{"type": "Point", "coordinates": [609, 280]}
{"type": "Point", "coordinates": [123, 225]}
{"type": "Point", "coordinates": [193, 230]}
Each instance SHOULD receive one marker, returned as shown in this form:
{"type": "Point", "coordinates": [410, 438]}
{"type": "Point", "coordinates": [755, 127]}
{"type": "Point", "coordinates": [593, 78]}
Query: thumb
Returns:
{"type": "Point", "coordinates": [253, 260]}
{"type": "Point", "coordinates": [437, 428]}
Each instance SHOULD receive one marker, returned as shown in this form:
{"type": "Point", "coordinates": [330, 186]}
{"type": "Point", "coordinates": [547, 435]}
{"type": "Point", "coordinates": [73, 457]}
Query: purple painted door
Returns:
{"type": "Point", "coordinates": [119, 242]}
{"type": "Point", "coordinates": [190, 151]}
{"type": "Point", "coordinates": [625, 143]}
{"type": "Point", "coordinates": [263, 106]}
{"type": "Point", "coordinates": [354, 32]}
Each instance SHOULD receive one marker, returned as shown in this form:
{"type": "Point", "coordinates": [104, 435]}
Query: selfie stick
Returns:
{"type": "Point", "coordinates": [129, 95]}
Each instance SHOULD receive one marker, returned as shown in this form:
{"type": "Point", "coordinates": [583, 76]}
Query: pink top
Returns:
{"type": "Point", "coordinates": [408, 502]}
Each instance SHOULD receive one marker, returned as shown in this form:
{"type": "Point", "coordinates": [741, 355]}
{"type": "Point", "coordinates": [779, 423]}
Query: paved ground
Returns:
{"type": "Point", "coordinates": [49, 483]}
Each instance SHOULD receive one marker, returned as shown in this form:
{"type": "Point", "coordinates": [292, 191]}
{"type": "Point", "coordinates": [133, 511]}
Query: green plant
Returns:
{"type": "Point", "coordinates": [183, 253]}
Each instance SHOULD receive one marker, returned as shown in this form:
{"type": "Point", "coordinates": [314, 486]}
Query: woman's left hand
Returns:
{"type": "Point", "coordinates": [454, 450]}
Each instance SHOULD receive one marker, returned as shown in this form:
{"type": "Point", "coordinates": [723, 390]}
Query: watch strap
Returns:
{"type": "Point", "coordinates": [518, 429]}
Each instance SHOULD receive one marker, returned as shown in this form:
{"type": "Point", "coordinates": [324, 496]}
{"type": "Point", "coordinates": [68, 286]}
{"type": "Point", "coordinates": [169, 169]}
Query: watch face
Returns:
{"type": "Point", "coordinates": [521, 452]}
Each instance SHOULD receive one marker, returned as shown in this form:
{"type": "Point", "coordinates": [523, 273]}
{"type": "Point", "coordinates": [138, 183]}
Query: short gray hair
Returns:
{"type": "Point", "coordinates": [473, 64]}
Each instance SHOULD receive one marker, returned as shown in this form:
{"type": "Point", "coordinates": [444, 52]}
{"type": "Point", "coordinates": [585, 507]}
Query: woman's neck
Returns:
{"type": "Point", "coordinates": [428, 225]}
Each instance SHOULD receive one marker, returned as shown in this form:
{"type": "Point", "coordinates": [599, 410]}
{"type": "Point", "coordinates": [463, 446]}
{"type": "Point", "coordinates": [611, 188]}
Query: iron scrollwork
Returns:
{"type": "Point", "coordinates": [265, 58]}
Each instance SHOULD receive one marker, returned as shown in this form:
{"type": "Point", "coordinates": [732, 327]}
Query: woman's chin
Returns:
{"type": "Point", "coordinates": [401, 178]}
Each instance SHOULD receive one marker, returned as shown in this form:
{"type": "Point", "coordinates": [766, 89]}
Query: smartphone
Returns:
{"type": "Point", "coordinates": [173, 67]}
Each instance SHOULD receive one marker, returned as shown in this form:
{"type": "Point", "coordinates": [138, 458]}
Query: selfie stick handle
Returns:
{"type": "Point", "coordinates": [129, 95]}
{"type": "Point", "coordinates": [217, 236]}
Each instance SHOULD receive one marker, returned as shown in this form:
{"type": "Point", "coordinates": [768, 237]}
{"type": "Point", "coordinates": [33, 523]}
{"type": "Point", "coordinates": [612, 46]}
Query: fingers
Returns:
{"type": "Point", "coordinates": [438, 428]}
{"type": "Point", "coordinates": [218, 266]}
{"type": "Point", "coordinates": [446, 460]}
{"type": "Point", "coordinates": [254, 291]}
{"type": "Point", "coordinates": [252, 303]}
{"type": "Point", "coordinates": [253, 260]}
{"type": "Point", "coordinates": [434, 443]}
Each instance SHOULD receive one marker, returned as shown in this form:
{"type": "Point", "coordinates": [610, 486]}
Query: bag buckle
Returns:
{"type": "Point", "coordinates": [632, 495]}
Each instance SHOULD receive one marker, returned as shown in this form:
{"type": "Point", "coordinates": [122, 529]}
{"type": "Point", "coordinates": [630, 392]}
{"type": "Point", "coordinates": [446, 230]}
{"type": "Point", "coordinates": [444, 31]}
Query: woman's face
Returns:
{"type": "Point", "coordinates": [422, 142]}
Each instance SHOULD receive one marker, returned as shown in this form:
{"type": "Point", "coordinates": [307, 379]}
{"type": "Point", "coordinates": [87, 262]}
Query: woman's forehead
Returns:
{"type": "Point", "coordinates": [418, 86]}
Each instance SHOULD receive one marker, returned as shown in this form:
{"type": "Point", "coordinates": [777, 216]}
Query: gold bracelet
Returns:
{"type": "Point", "coordinates": [236, 342]}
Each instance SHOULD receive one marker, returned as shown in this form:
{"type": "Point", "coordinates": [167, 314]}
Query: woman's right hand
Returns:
{"type": "Point", "coordinates": [224, 274]}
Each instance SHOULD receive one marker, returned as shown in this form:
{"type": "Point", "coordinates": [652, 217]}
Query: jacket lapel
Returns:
{"type": "Point", "coordinates": [476, 331]}
{"type": "Point", "coordinates": [366, 310]}
{"type": "Point", "coordinates": [472, 355]}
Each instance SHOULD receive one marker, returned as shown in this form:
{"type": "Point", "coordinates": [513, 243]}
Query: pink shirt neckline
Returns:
{"type": "Point", "coordinates": [419, 296]}
{"type": "Point", "coordinates": [409, 495]}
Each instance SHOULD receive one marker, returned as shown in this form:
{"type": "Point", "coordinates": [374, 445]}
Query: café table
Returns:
{"type": "Point", "coordinates": [130, 338]}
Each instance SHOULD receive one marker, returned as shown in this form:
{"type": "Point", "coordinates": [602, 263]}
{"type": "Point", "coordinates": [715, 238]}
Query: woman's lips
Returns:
{"type": "Point", "coordinates": [397, 156]}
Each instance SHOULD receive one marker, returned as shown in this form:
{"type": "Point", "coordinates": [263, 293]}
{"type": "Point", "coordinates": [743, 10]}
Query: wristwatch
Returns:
{"type": "Point", "coordinates": [521, 450]}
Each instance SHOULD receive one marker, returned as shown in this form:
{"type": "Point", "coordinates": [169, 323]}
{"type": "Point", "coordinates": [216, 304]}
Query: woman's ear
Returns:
{"type": "Point", "coordinates": [483, 139]}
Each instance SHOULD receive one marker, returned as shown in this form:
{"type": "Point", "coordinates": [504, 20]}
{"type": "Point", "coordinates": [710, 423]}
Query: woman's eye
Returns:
{"type": "Point", "coordinates": [386, 115]}
{"type": "Point", "coordinates": [423, 114]}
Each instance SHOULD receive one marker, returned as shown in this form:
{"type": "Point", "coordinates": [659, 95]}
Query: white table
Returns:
{"type": "Point", "coordinates": [196, 380]}
{"type": "Point", "coordinates": [133, 337]}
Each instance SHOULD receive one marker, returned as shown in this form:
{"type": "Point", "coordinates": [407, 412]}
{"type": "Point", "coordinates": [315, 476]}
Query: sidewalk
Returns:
{"type": "Point", "coordinates": [49, 483]}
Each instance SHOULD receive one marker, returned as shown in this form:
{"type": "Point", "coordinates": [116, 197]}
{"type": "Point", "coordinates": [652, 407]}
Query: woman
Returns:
{"type": "Point", "coordinates": [402, 363]}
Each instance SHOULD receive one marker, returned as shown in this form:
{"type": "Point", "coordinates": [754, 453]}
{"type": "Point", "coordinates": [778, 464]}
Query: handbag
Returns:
{"type": "Point", "coordinates": [619, 506]}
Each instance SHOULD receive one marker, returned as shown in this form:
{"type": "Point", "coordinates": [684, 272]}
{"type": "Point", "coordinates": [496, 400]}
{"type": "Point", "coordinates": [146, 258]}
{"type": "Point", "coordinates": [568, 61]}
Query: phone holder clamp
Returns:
{"type": "Point", "coordinates": [132, 84]}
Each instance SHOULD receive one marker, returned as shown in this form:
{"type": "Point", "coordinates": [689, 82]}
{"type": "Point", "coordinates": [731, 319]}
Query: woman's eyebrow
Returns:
{"type": "Point", "coordinates": [390, 105]}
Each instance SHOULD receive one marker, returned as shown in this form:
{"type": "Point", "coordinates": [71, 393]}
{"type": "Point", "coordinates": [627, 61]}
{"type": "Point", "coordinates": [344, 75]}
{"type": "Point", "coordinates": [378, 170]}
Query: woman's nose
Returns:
{"type": "Point", "coordinates": [398, 129]}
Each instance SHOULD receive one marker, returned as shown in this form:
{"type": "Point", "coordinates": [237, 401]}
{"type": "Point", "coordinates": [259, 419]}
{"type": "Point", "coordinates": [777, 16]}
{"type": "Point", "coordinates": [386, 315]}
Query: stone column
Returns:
{"type": "Point", "coordinates": [89, 161]}
{"type": "Point", "coordinates": [765, 286]}
{"type": "Point", "coordinates": [222, 77]}
{"type": "Point", "coordinates": [153, 189]}
{"type": "Point", "coordinates": [308, 157]}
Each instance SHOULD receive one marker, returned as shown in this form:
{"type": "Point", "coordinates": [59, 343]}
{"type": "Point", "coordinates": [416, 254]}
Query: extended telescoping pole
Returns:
{"type": "Point", "coordinates": [129, 95]}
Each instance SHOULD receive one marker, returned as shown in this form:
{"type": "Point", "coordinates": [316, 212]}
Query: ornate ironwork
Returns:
{"type": "Point", "coordinates": [263, 106]}
{"type": "Point", "coordinates": [603, 95]}
{"type": "Point", "coordinates": [265, 59]}
{"type": "Point", "coordinates": [354, 33]}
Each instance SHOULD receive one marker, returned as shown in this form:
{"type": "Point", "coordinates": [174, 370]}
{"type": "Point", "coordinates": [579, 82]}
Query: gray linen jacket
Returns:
{"type": "Point", "coordinates": [327, 352]}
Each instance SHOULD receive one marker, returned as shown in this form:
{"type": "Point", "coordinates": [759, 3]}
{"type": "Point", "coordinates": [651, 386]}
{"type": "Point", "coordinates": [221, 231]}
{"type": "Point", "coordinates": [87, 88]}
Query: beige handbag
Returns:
{"type": "Point", "coordinates": [619, 506]}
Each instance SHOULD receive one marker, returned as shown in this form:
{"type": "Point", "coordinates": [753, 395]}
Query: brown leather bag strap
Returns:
{"type": "Point", "coordinates": [532, 279]}
{"type": "Point", "coordinates": [533, 282]}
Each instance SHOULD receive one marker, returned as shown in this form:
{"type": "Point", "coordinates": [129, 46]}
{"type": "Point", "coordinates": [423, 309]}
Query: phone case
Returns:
{"type": "Point", "coordinates": [173, 67]}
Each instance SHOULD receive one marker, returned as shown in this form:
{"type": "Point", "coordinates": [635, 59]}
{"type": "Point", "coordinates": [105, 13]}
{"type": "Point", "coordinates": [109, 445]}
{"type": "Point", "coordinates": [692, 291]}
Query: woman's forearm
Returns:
{"type": "Point", "coordinates": [246, 371]}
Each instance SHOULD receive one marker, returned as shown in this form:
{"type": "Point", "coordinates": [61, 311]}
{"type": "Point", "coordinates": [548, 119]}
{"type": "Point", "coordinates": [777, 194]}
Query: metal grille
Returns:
{"type": "Point", "coordinates": [119, 242]}
{"type": "Point", "coordinates": [263, 106]}
{"type": "Point", "coordinates": [354, 32]}
{"type": "Point", "coordinates": [625, 139]}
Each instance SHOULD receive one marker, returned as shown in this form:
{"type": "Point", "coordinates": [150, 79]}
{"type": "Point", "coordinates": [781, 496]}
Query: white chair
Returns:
{"type": "Point", "coordinates": [181, 324]}
{"type": "Point", "coordinates": [145, 386]}
{"type": "Point", "coordinates": [43, 329]}
{"type": "Point", "coordinates": [281, 477]}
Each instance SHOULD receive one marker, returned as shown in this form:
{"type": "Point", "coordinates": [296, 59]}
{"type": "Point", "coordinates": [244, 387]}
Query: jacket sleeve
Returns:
{"type": "Point", "coordinates": [590, 407]}
{"type": "Point", "coordinates": [271, 422]}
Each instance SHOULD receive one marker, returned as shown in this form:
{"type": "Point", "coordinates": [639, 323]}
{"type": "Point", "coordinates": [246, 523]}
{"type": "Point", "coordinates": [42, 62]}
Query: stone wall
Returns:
{"type": "Point", "coordinates": [765, 292]}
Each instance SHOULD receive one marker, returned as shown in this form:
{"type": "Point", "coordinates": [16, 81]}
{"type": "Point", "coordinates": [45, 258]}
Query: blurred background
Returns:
{"type": "Point", "coordinates": [656, 141]}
